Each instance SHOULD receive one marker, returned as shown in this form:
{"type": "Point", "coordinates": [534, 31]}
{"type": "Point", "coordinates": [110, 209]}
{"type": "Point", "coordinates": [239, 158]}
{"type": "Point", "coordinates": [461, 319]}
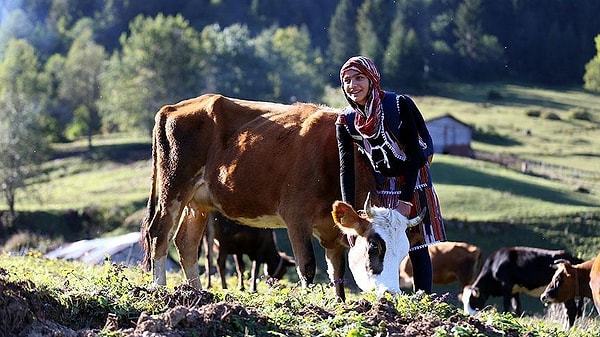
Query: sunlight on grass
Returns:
{"type": "Point", "coordinates": [473, 190]}
{"type": "Point", "coordinates": [93, 185]}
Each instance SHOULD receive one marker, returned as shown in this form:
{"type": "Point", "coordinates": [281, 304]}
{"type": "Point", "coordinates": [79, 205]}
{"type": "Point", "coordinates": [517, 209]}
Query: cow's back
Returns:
{"type": "Point", "coordinates": [527, 267]}
{"type": "Point", "coordinates": [451, 262]}
{"type": "Point", "coordinates": [275, 164]}
{"type": "Point", "coordinates": [463, 259]}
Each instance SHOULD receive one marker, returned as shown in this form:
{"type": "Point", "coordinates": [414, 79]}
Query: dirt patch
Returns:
{"type": "Point", "coordinates": [196, 313]}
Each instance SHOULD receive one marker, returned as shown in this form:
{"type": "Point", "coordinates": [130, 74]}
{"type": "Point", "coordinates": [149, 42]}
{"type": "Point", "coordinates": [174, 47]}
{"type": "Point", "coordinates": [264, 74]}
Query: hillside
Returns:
{"type": "Point", "coordinates": [112, 182]}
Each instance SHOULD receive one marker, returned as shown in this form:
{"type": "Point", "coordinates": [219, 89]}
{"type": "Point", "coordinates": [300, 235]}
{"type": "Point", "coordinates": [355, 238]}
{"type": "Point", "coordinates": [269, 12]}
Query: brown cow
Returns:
{"type": "Point", "coordinates": [265, 165]}
{"type": "Point", "coordinates": [568, 282]}
{"type": "Point", "coordinates": [259, 244]}
{"type": "Point", "coordinates": [451, 262]}
{"type": "Point", "coordinates": [595, 283]}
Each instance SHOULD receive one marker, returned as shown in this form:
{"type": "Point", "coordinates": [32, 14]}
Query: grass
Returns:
{"type": "Point", "coordinates": [567, 142]}
{"type": "Point", "coordinates": [479, 191]}
{"type": "Point", "coordinates": [83, 296]}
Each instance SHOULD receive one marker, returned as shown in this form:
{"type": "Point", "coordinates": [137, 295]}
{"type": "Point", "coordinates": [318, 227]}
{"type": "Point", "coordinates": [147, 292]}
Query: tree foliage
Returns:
{"type": "Point", "coordinates": [403, 61]}
{"type": "Point", "coordinates": [294, 75]}
{"type": "Point", "coordinates": [343, 40]}
{"type": "Point", "coordinates": [158, 65]}
{"type": "Point", "coordinates": [371, 27]}
{"type": "Point", "coordinates": [229, 63]}
{"type": "Point", "coordinates": [80, 80]}
{"type": "Point", "coordinates": [23, 146]}
{"type": "Point", "coordinates": [165, 51]}
{"type": "Point", "coordinates": [592, 70]}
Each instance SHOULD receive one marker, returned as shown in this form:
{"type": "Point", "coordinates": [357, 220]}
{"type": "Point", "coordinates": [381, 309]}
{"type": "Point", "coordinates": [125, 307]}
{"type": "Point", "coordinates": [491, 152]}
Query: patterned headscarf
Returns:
{"type": "Point", "coordinates": [368, 123]}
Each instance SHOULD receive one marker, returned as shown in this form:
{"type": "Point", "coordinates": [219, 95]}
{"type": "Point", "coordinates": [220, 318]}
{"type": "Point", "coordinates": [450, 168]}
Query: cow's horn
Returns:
{"type": "Point", "coordinates": [418, 219]}
{"type": "Point", "coordinates": [367, 206]}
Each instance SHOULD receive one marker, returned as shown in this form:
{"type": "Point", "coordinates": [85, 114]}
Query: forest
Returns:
{"type": "Point", "coordinates": [78, 68]}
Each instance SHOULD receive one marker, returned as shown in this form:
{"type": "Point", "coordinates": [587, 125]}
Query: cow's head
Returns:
{"type": "Point", "coordinates": [473, 300]}
{"type": "Point", "coordinates": [563, 285]}
{"type": "Point", "coordinates": [378, 243]}
{"type": "Point", "coordinates": [277, 271]}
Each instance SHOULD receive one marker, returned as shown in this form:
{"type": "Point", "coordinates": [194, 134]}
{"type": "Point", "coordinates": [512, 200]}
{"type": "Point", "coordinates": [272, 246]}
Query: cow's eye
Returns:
{"type": "Point", "coordinates": [373, 247]}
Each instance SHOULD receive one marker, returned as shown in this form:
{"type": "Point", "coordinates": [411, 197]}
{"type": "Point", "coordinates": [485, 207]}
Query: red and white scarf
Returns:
{"type": "Point", "coordinates": [368, 122]}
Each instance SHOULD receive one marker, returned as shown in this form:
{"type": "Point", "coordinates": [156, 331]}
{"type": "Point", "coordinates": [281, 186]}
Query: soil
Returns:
{"type": "Point", "coordinates": [194, 313]}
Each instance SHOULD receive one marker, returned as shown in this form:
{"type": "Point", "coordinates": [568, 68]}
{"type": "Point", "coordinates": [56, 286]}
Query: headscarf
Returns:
{"type": "Point", "coordinates": [368, 123]}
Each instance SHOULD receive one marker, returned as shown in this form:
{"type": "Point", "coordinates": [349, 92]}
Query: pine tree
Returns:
{"type": "Point", "coordinates": [343, 40]}
{"type": "Point", "coordinates": [372, 29]}
{"type": "Point", "coordinates": [403, 62]}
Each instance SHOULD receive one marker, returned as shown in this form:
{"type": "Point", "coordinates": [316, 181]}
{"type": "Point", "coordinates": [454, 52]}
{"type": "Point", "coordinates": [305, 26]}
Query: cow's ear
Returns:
{"type": "Point", "coordinates": [346, 218]}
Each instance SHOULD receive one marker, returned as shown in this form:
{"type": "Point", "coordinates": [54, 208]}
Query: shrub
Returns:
{"type": "Point", "coordinates": [580, 114]}
{"type": "Point", "coordinates": [494, 95]}
{"type": "Point", "coordinates": [533, 113]}
{"type": "Point", "coordinates": [552, 116]}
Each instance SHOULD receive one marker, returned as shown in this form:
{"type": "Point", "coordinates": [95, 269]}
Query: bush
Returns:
{"type": "Point", "coordinates": [533, 113]}
{"type": "Point", "coordinates": [552, 116]}
{"type": "Point", "coordinates": [580, 114]}
{"type": "Point", "coordinates": [494, 95]}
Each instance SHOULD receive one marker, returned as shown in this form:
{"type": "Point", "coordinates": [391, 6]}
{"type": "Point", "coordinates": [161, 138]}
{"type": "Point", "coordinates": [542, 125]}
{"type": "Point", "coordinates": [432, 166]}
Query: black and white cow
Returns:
{"type": "Point", "coordinates": [510, 271]}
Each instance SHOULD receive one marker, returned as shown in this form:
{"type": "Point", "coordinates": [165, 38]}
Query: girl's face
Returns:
{"type": "Point", "coordinates": [356, 86]}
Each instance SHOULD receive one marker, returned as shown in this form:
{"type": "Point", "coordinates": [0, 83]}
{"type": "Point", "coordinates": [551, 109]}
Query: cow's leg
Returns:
{"type": "Point", "coordinates": [221, 265]}
{"type": "Point", "coordinates": [254, 275]}
{"type": "Point", "coordinates": [158, 237]}
{"type": "Point", "coordinates": [516, 304]}
{"type": "Point", "coordinates": [336, 268]}
{"type": "Point", "coordinates": [239, 267]}
{"type": "Point", "coordinates": [208, 241]}
{"type": "Point", "coordinates": [301, 240]}
{"type": "Point", "coordinates": [187, 241]}
{"type": "Point", "coordinates": [572, 310]}
{"type": "Point", "coordinates": [507, 297]}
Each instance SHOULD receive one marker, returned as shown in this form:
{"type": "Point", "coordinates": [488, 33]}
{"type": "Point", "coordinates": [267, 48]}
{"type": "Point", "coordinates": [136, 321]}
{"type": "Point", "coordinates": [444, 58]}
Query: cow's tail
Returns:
{"type": "Point", "coordinates": [149, 218]}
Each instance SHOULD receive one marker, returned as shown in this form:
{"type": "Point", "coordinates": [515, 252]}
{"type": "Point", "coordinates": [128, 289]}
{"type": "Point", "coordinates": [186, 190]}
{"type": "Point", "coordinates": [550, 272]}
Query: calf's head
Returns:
{"type": "Point", "coordinates": [563, 285]}
{"type": "Point", "coordinates": [378, 243]}
{"type": "Point", "coordinates": [473, 300]}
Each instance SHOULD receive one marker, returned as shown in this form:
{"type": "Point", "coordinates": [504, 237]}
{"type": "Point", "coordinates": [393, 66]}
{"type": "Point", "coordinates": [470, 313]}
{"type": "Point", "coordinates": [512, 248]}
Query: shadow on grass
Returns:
{"type": "Point", "coordinates": [492, 138]}
{"type": "Point", "coordinates": [119, 153]}
{"type": "Point", "coordinates": [500, 95]}
{"type": "Point", "coordinates": [459, 175]}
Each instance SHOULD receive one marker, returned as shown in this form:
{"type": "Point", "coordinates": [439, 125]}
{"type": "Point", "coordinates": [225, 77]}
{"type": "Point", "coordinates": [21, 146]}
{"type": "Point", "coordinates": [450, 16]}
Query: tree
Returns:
{"type": "Point", "coordinates": [403, 62]}
{"type": "Point", "coordinates": [371, 26]}
{"type": "Point", "coordinates": [79, 80]}
{"type": "Point", "coordinates": [229, 63]}
{"type": "Point", "coordinates": [158, 65]}
{"type": "Point", "coordinates": [294, 72]}
{"type": "Point", "coordinates": [23, 146]}
{"type": "Point", "coordinates": [15, 25]}
{"type": "Point", "coordinates": [480, 52]}
{"type": "Point", "coordinates": [591, 77]}
{"type": "Point", "coordinates": [343, 40]}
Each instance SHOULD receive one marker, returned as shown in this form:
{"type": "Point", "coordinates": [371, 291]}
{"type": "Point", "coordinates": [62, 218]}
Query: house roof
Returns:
{"type": "Point", "coordinates": [449, 116]}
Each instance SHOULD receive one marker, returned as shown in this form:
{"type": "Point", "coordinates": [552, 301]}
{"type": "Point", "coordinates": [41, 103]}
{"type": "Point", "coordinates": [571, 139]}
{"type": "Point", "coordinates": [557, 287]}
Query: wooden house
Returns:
{"type": "Point", "coordinates": [450, 136]}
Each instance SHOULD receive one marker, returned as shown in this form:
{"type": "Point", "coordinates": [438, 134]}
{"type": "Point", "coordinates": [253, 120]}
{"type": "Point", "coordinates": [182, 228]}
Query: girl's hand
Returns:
{"type": "Point", "coordinates": [404, 208]}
